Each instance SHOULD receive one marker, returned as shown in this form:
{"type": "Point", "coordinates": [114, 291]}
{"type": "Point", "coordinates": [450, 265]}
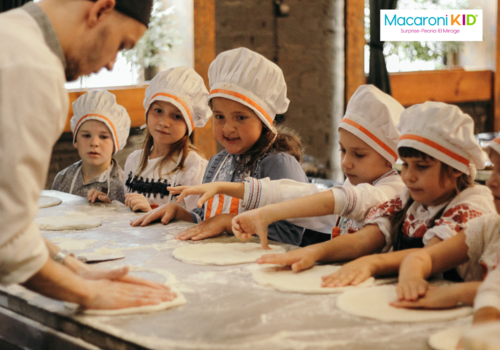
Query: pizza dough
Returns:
{"type": "Point", "coordinates": [70, 221]}
{"type": "Point", "coordinates": [482, 337]}
{"type": "Point", "coordinates": [223, 253]}
{"type": "Point", "coordinates": [282, 278]}
{"type": "Point", "coordinates": [374, 303]}
{"type": "Point", "coordinates": [47, 201]}
{"type": "Point", "coordinates": [170, 280]}
{"type": "Point", "coordinates": [447, 339]}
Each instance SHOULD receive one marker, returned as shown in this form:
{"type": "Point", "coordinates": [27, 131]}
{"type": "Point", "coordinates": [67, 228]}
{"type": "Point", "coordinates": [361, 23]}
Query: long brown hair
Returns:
{"type": "Point", "coordinates": [287, 140]}
{"type": "Point", "coordinates": [182, 147]}
{"type": "Point", "coordinates": [463, 181]}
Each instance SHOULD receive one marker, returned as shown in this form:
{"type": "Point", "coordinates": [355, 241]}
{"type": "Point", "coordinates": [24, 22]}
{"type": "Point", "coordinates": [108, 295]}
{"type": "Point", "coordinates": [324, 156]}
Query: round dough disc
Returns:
{"type": "Point", "coordinates": [68, 222]}
{"type": "Point", "coordinates": [374, 303]}
{"type": "Point", "coordinates": [483, 336]}
{"type": "Point", "coordinates": [282, 278]}
{"type": "Point", "coordinates": [47, 201]}
{"type": "Point", "coordinates": [223, 253]}
{"type": "Point", "coordinates": [447, 339]}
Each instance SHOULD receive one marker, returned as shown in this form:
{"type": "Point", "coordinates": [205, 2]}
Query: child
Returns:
{"type": "Point", "coordinates": [368, 139]}
{"type": "Point", "coordinates": [175, 104]}
{"type": "Point", "coordinates": [247, 91]}
{"type": "Point", "coordinates": [100, 128]}
{"type": "Point", "coordinates": [473, 250]}
{"type": "Point", "coordinates": [439, 152]}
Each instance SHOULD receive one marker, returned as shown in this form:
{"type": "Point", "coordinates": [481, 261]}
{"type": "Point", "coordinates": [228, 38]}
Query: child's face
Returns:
{"type": "Point", "coordinates": [494, 181]}
{"type": "Point", "coordinates": [360, 162]}
{"type": "Point", "coordinates": [236, 126]}
{"type": "Point", "coordinates": [166, 123]}
{"type": "Point", "coordinates": [94, 143]}
{"type": "Point", "coordinates": [423, 177]}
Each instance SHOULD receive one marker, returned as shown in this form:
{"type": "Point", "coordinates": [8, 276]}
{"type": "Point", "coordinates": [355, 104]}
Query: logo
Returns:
{"type": "Point", "coordinates": [436, 25]}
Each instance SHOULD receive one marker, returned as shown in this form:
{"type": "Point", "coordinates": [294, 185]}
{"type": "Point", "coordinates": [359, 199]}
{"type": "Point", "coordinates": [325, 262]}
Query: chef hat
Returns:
{"type": "Point", "coordinates": [185, 89]}
{"type": "Point", "coordinates": [251, 79]}
{"type": "Point", "coordinates": [101, 105]}
{"type": "Point", "coordinates": [443, 132]}
{"type": "Point", "coordinates": [372, 115]}
{"type": "Point", "coordinates": [494, 145]}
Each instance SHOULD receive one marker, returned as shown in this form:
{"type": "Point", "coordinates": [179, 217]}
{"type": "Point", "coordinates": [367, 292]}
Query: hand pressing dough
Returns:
{"type": "Point", "coordinates": [47, 201]}
{"type": "Point", "coordinates": [282, 278]}
{"type": "Point", "coordinates": [223, 253]}
{"type": "Point", "coordinates": [374, 303]}
{"type": "Point", "coordinates": [447, 339]}
{"type": "Point", "coordinates": [170, 280]}
{"type": "Point", "coordinates": [70, 221]}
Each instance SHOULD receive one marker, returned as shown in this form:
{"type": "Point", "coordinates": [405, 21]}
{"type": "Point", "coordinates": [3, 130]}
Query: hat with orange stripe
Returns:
{"type": "Point", "coordinates": [372, 115]}
{"type": "Point", "coordinates": [443, 132]}
{"type": "Point", "coordinates": [185, 89]}
{"type": "Point", "coordinates": [251, 79]}
{"type": "Point", "coordinates": [101, 105]}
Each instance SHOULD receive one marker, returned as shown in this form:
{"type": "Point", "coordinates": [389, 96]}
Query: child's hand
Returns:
{"type": "Point", "coordinates": [298, 259]}
{"type": "Point", "coordinates": [137, 202]}
{"type": "Point", "coordinates": [95, 195]}
{"type": "Point", "coordinates": [166, 213]}
{"type": "Point", "coordinates": [411, 289]}
{"type": "Point", "coordinates": [212, 227]}
{"type": "Point", "coordinates": [437, 297]}
{"type": "Point", "coordinates": [206, 191]}
{"type": "Point", "coordinates": [252, 222]}
{"type": "Point", "coordinates": [352, 273]}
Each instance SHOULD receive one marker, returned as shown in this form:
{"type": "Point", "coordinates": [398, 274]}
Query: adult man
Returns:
{"type": "Point", "coordinates": [42, 46]}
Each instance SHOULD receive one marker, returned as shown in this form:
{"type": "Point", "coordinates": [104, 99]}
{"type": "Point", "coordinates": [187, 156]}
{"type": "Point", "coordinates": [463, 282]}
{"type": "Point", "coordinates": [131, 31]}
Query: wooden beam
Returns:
{"type": "Point", "coordinates": [451, 86]}
{"type": "Point", "coordinates": [204, 54]}
{"type": "Point", "coordinates": [130, 97]}
{"type": "Point", "coordinates": [354, 46]}
{"type": "Point", "coordinates": [496, 91]}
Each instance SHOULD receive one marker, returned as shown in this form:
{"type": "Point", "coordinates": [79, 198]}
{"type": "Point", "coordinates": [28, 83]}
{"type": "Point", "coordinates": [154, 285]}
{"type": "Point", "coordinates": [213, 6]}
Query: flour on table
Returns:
{"type": "Point", "coordinates": [48, 201]}
{"type": "Point", "coordinates": [70, 221]}
{"type": "Point", "coordinates": [170, 280]}
{"type": "Point", "coordinates": [223, 253]}
{"type": "Point", "coordinates": [374, 302]}
{"type": "Point", "coordinates": [282, 278]}
{"type": "Point", "coordinates": [447, 339]}
{"type": "Point", "coordinates": [73, 244]}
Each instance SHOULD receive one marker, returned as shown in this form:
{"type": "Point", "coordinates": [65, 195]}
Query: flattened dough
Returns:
{"type": "Point", "coordinates": [447, 339]}
{"type": "Point", "coordinates": [76, 221]}
{"type": "Point", "coordinates": [374, 302]}
{"type": "Point", "coordinates": [170, 279]}
{"type": "Point", "coordinates": [47, 201]}
{"type": "Point", "coordinates": [223, 253]}
{"type": "Point", "coordinates": [282, 278]}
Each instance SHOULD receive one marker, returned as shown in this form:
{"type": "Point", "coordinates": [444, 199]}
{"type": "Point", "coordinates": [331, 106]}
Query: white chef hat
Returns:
{"type": "Point", "coordinates": [185, 89]}
{"type": "Point", "coordinates": [101, 105]}
{"type": "Point", "coordinates": [494, 145]}
{"type": "Point", "coordinates": [251, 79]}
{"type": "Point", "coordinates": [372, 115]}
{"type": "Point", "coordinates": [443, 132]}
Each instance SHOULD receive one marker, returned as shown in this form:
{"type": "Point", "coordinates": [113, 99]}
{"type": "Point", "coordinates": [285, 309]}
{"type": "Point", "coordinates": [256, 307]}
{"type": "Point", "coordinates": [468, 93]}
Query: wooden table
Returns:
{"type": "Point", "coordinates": [225, 308]}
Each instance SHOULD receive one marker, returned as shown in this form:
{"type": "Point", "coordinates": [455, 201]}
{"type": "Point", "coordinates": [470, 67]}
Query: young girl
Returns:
{"type": "Point", "coordinates": [439, 154]}
{"type": "Point", "coordinates": [247, 91]}
{"type": "Point", "coordinates": [368, 139]}
{"type": "Point", "coordinates": [474, 251]}
{"type": "Point", "coordinates": [100, 128]}
{"type": "Point", "coordinates": [175, 104]}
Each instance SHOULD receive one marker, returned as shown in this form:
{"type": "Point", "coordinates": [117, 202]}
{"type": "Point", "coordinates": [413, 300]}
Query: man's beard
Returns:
{"type": "Point", "coordinates": [93, 56]}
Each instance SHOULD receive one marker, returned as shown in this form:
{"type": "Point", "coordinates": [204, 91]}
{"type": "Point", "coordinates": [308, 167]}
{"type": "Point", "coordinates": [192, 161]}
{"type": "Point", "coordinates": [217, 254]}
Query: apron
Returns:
{"type": "Point", "coordinates": [101, 177]}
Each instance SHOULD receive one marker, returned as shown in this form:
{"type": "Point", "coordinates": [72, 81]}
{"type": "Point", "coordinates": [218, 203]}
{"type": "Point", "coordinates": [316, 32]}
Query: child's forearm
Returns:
{"type": "Point", "coordinates": [183, 214]}
{"type": "Point", "coordinates": [466, 292]}
{"type": "Point", "coordinates": [388, 263]}
{"type": "Point", "coordinates": [231, 189]}
{"type": "Point", "coordinates": [417, 265]}
{"type": "Point", "coordinates": [366, 241]}
{"type": "Point", "coordinates": [318, 204]}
